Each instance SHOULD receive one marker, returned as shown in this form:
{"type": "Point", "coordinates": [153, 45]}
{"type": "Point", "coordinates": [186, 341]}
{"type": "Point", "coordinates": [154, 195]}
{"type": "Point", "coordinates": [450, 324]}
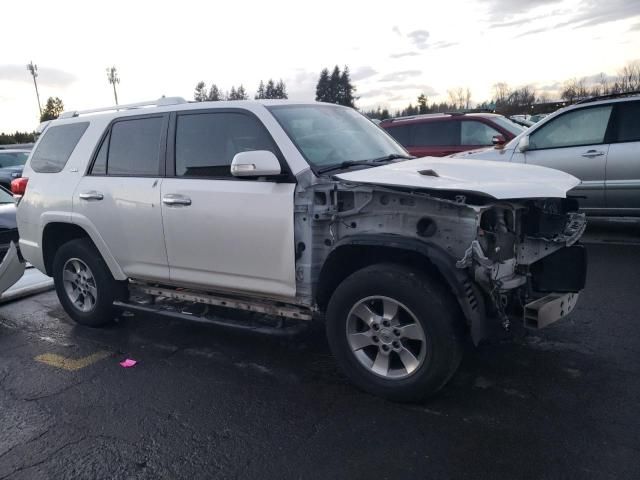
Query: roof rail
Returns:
{"type": "Point", "coordinates": [425, 115]}
{"type": "Point", "coordinates": [161, 102]}
{"type": "Point", "coordinates": [610, 95]}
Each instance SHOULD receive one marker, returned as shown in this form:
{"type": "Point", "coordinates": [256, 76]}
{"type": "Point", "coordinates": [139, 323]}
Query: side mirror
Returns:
{"type": "Point", "coordinates": [498, 140]}
{"type": "Point", "coordinates": [523, 144]}
{"type": "Point", "coordinates": [258, 163]}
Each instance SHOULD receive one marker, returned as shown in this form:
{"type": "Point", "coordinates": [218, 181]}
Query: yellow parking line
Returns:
{"type": "Point", "coordinates": [71, 364]}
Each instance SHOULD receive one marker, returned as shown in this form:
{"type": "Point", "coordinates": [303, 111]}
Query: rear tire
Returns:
{"type": "Point", "coordinates": [85, 287]}
{"type": "Point", "coordinates": [395, 332]}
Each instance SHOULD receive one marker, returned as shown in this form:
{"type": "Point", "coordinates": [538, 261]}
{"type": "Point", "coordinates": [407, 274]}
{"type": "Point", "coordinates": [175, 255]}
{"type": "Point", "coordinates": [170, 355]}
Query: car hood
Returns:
{"type": "Point", "coordinates": [499, 180]}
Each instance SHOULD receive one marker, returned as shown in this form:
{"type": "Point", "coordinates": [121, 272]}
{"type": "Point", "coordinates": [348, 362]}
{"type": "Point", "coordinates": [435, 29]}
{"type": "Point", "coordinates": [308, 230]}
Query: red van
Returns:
{"type": "Point", "coordinates": [441, 134]}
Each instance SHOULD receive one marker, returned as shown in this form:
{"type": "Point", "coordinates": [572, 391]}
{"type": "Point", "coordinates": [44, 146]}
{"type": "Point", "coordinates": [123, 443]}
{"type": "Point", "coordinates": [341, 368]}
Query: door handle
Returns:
{"type": "Point", "coordinates": [592, 153]}
{"type": "Point", "coordinates": [91, 195]}
{"type": "Point", "coordinates": [173, 199]}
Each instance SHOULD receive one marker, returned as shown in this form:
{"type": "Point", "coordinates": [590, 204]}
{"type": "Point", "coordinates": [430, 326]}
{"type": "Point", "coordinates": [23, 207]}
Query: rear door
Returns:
{"type": "Point", "coordinates": [119, 198]}
{"type": "Point", "coordinates": [574, 142]}
{"type": "Point", "coordinates": [435, 138]}
{"type": "Point", "coordinates": [623, 161]}
{"type": "Point", "coordinates": [224, 232]}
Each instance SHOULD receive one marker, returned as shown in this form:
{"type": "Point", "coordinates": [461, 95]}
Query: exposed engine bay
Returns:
{"type": "Point", "coordinates": [498, 256]}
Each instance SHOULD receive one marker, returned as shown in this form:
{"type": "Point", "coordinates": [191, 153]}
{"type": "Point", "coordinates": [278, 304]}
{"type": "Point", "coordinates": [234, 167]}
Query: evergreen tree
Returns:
{"type": "Point", "coordinates": [422, 104]}
{"type": "Point", "coordinates": [52, 109]}
{"type": "Point", "coordinates": [322, 88]}
{"type": "Point", "coordinates": [260, 94]}
{"type": "Point", "coordinates": [215, 94]}
{"type": "Point", "coordinates": [232, 94]}
{"type": "Point", "coordinates": [241, 93]}
{"type": "Point", "coordinates": [270, 90]}
{"type": "Point", "coordinates": [281, 90]}
{"type": "Point", "coordinates": [333, 92]}
{"type": "Point", "coordinates": [345, 89]}
{"type": "Point", "coordinates": [200, 93]}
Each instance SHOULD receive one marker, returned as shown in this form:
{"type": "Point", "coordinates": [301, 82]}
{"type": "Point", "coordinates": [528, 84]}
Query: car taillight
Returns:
{"type": "Point", "coordinates": [19, 185]}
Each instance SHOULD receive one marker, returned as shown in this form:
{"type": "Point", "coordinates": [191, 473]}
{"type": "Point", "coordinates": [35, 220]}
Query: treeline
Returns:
{"type": "Point", "coordinates": [17, 137]}
{"type": "Point", "coordinates": [265, 91]}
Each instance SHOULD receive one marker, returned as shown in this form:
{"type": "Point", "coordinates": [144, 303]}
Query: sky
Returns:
{"type": "Point", "coordinates": [395, 50]}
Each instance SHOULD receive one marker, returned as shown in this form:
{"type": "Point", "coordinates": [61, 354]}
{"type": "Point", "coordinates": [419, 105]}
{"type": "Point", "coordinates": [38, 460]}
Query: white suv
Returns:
{"type": "Point", "coordinates": [297, 210]}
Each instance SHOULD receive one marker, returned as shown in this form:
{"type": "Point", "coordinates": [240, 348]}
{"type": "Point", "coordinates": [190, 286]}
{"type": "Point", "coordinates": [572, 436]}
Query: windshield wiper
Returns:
{"type": "Point", "coordinates": [372, 163]}
{"type": "Point", "coordinates": [346, 164]}
{"type": "Point", "coordinates": [393, 156]}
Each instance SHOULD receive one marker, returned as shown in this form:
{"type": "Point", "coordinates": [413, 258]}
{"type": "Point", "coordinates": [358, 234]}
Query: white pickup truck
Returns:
{"type": "Point", "coordinates": [297, 210]}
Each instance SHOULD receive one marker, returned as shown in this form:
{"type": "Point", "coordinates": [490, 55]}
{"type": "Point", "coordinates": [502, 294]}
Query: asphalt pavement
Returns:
{"type": "Point", "coordinates": [207, 402]}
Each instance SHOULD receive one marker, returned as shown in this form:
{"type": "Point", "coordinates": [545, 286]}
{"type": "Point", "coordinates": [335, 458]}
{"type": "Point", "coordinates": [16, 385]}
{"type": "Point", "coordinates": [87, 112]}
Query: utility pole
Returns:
{"type": "Point", "coordinates": [112, 76]}
{"type": "Point", "coordinates": [34, 73]}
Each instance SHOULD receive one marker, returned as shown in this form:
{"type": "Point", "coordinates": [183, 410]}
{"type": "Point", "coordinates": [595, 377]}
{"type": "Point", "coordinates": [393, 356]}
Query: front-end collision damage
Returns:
{"type": "Point", "coordinates": [484, 248]}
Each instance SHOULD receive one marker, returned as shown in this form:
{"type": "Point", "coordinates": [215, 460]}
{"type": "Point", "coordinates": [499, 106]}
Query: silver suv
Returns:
{"type": "Point", "coordinates": [296, 211]}
{"type": "Point", "coordinates": [597, 141]}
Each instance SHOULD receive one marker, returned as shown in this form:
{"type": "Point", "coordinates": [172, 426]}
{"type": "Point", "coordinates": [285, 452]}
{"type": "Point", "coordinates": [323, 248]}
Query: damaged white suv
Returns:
{"type": "Point", "coordinates": [301, 211]}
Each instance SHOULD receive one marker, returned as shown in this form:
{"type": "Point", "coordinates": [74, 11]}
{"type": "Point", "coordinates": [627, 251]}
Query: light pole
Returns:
{"type": "Point", "coordinates": [112, 76]}
{"type": "Point", "coordinates": [34, 73]}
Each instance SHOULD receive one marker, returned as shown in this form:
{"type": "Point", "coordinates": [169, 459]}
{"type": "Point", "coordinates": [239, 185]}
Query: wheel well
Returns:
{"type": "Point", "coordinates": [345, 260]}
{"type": "Point", "coordinates": [54, 236]}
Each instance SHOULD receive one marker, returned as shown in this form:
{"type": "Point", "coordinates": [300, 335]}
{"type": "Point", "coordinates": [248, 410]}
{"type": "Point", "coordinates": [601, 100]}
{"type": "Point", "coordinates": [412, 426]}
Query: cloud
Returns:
{"type": "Point", "coordinates": [443, 44]}
{"type": "Point", "coordinates": [52, 77]}
{"type": "Point", "coordinates": [635, 28]}
{"type": "Point", "coordinates": [403, 54]}
{"type": "Point", "coordinates": [400, 76]}
{"type": "Point", "coordinates": [499, 9]}
{"type": "Point", "coordinates": [419, 38]}
{"type": "Point", "coordinates": [396, 30]}
{"type": "Point", "coordinates": [362, 73]}
{"type": "Point", "coordinates": [594, 14]}
{"type": "Point", "coordinates": [391, 93]}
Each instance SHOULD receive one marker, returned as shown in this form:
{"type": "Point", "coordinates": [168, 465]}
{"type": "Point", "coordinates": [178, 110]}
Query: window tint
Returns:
{"type": "Point", "coordinates": [436, 133]}
{"type": "Point", "coordinates": [627, 122]}
{"type": "Point", "coordinates": [12, 159]}
{"type": "Point", "coordinates": [100, 164]}
{"type": "Point", "coordinates": [207, 142]}
{"type": "Point", "coordinates": [586, 126]}
{"type": "Point", "coordinates": [134, 147]}
{"type": "Point", "coordinates": [476, 133]}
{"type": "Point", "coordinates": [401, 134]}
{"type": "Point", "coordinates": [56, 147]}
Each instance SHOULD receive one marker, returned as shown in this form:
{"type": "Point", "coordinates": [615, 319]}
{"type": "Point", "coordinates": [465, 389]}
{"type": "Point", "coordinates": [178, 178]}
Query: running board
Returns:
{"type": "Point", "coordinates": [282, 330]}
{"type": "Point", "coordinates": [237, 303]}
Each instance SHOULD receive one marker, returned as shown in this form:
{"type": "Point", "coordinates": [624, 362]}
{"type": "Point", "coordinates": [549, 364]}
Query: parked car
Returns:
{"type": "Point", "coordinates": [11, 164]}
{"type": "Point", "coordinates": [8, 225]}
{"type": "Point", "coordinates": [597, 141]}
{"type": "Point", "coordinates": [297, 210]}
{"type": "Point", "coordinates": [440, 134]}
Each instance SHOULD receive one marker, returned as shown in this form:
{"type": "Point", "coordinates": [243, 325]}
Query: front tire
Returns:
{"type": "Point", "coordinates": [395, 332]}
{"type": "Point", "coordinates": [85, 287]}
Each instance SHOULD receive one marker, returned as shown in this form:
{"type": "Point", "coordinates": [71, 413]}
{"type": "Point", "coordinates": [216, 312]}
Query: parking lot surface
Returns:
{"type": "Point", "coordinates": [208, 402]}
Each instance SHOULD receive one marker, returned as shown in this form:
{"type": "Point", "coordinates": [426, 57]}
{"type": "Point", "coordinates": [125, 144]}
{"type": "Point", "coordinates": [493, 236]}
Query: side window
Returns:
{"type": "Point", "coordinates": [100, 164]}
{"type": "Point", "coordinates": [586, 126]}
{"type": "Point", "coordinates": [56, 147]}
{"type": "Point", "coordinates": [435, 133]}
{"type": "Point", "coordinates": [401, 133]}
{"type": "Point", "coordinates": [134, 147]}
{"type": "Point", "coordinates": [476, 133]}
{"type": "Point", "coordinates": [207, 142]}
{"type": "Point", "coordinates": [627, 120]}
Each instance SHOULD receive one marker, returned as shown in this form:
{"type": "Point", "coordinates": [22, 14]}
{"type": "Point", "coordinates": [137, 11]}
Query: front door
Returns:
{"type": "Point", "coordinates": [119, 199]}
{"type": "Point", "coordinates": [222, 232]}
{"type": "Point", "coordinates": [574, 142]}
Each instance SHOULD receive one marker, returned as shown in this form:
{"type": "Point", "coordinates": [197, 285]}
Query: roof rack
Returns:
{"type": "Point", "coordinates": [610, 95]}
{"type": "Point", "coordinates": [161, 102]}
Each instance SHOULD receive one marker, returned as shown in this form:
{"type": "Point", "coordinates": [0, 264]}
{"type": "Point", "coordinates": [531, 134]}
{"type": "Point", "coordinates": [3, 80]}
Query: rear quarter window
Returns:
{"type": "Point", "coordinates": [56, 146]}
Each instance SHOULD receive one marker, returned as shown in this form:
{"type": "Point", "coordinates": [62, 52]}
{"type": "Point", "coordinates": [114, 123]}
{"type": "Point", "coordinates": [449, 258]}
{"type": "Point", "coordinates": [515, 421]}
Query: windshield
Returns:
{"type": "Point", "coordinates": [11, 159]}
{"type": "Point", "coordinates": [507, 124]}
{"type": "Point", "coordinates": [327, 135]}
